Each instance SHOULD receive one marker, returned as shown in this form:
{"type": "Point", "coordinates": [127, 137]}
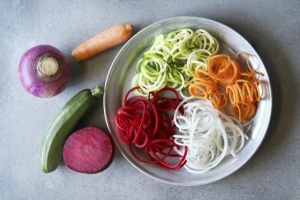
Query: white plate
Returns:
{"type": "Point", "coordinates": [122, 71]}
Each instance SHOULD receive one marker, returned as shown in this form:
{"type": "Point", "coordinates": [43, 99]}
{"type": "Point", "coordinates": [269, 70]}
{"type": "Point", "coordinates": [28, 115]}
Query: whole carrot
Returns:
{"type": "Point", "coordinates": [103, 41]}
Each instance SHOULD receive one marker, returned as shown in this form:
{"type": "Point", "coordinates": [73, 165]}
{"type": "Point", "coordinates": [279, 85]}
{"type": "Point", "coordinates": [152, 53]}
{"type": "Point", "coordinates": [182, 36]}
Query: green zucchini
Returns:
{"type": "Point", "coordinates": [63, 125]}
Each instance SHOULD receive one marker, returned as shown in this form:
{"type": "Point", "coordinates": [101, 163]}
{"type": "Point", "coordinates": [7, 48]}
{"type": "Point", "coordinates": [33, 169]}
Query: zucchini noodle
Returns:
{"type": "Point", "coordinates": [172, 60]}
{"type": "Point", "coordinates": [209, 134]}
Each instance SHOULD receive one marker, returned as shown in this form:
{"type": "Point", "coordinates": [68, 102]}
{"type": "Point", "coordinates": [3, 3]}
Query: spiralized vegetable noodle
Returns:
{"type": "Point", "coordinates": [173, 59]}
{"type": "Point", "coordinates": [228, 87]}
{"type": "Point", "coordinates": [145, 124]}
{"type": "Point", "coordinates": [219, 100]}
{"type": "Point", "coordinates": [209, 134]}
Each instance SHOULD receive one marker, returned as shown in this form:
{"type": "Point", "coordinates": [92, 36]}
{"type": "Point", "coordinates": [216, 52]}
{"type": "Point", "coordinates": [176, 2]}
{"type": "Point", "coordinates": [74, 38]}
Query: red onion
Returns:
{"type": "Point", "coordinates": [44, 71]}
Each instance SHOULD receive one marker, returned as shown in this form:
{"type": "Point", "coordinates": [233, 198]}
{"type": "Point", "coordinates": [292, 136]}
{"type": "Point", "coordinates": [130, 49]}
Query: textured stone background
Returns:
{"type": "Point", "coordinates": [271, 26]}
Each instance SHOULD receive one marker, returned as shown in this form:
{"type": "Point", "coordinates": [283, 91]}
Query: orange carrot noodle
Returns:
{"type": "Point", "coordinates": [228, 87]}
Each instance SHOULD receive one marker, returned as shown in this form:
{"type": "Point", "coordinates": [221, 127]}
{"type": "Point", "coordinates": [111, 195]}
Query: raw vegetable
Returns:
{"type": "Point", "coordinates": [223, 69]}
{"type": "Point", "coordinates": [204, 135]}
{"type": "Point", "coordinates": [228, 87]}
{"type": "Point", "coordinates": [209, 134]}
{"type": "Point", "coordinates": [44, 71]}
{"type": "Point", "coordinates": [88, 150]}
{"type": "Point", "coordinates": [146, 124]}
{"type": "Point", "coordinates": [172, 60]}
{"type": "Point", "coordinates": [103, 41]}
{"type": "Point", "coordinates": [62, 126]}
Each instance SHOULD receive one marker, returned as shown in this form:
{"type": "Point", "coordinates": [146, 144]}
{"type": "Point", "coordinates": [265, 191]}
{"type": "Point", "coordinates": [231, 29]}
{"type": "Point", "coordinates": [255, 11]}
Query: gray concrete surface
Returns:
{"type": "Point", "coordinates": [271, 26]}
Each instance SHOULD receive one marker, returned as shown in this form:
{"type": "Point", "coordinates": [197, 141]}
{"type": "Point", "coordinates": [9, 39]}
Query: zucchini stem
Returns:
{"type": "Point", "coordinates": [97, 91]}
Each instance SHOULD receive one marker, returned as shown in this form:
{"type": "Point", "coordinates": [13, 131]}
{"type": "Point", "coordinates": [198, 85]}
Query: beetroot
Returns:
{"type": "Point", "coordinates": [88, 150]}
{"type": "Point", "coordinates": [147, 124]}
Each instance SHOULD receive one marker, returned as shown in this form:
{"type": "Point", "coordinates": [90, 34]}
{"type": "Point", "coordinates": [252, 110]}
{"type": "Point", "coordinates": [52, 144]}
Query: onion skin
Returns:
{"type": "Point", "coordinates": [29, 78]}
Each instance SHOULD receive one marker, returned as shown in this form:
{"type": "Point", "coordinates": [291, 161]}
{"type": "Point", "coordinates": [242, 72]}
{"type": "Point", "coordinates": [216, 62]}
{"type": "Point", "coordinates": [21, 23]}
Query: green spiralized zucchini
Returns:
{"type": "Point", "coordinates": [172, 60]}
{"type": "Point", "coordinates": [63, 125]}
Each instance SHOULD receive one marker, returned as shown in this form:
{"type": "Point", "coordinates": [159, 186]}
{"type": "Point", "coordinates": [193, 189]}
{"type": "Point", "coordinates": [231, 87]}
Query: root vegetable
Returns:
{"type": "Point", "coordinates": [44, 71]}
{"type": "Point", "coordinates": [103, 41]}
{"type": "Point", "coordinates": [88, 150]}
